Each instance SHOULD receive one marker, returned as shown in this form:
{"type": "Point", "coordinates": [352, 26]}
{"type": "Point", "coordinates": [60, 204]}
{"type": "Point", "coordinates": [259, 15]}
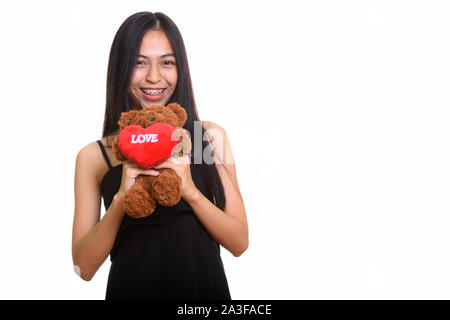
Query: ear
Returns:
{"type": "Point", "coordinates": [180, 112]}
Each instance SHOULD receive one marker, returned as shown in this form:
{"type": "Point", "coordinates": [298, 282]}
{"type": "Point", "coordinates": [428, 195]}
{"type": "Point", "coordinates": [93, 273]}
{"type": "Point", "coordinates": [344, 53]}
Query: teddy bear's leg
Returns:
{"type": "Point", "coordinates": [166, 187]}
{"type": "Point", "coordinates": [138, 202]}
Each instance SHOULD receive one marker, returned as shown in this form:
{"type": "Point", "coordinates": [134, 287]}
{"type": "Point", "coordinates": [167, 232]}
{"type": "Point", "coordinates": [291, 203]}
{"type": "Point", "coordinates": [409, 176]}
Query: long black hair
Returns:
{"type": "Point", "coordinates": [122, 58]}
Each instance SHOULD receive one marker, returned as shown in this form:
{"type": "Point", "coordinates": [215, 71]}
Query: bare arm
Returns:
{"type": "Point", "coordinates": [228, 227]}
{"type": "Point", "coordinates": [92, 239]}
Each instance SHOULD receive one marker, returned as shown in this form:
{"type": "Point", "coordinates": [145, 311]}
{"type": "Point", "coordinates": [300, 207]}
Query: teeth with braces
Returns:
{"type": "Point", "coordinates": [153, 92]}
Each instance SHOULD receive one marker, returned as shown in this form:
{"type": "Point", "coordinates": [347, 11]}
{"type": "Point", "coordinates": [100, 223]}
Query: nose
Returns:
{"type": "Point", "coordinates": [153, 75]}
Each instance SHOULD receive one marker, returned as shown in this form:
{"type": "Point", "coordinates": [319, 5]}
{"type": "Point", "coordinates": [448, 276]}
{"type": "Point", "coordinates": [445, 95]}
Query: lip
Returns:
{"type": "Point", "coordinates": [153, 97]}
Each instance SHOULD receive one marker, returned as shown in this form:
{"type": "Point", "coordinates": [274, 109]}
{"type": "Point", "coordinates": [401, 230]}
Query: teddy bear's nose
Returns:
{"type": "Point", "coordinates": [151, 118]}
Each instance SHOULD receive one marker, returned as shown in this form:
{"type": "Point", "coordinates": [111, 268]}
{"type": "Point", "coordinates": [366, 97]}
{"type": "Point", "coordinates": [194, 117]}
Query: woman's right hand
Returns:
{"type": "Point", "coordinates": [130, 171]}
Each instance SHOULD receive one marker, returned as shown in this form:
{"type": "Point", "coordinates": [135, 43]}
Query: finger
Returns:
{"type": "Point", "coordinates": [150, 172]}
{"type": "Point", "coordinates": [162, 165]}
{"type": "Point", "coordinates": [165, 164]}
{"type": "Point", "coordinates": [134, 170]}
{"type": "Point", "coordinates": [181, 160]}
{"type": "Point", "coordinates": [129, 164]}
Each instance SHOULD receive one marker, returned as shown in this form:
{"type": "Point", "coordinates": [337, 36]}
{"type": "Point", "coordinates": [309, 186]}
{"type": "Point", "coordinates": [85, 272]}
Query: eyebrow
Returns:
{"type": "Point", "coordinates": [163, 56]}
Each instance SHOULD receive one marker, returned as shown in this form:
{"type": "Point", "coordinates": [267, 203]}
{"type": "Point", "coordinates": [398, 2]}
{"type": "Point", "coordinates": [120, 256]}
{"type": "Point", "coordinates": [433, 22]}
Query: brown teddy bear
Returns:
{"type": "Point", "coordinates": [165, 189]}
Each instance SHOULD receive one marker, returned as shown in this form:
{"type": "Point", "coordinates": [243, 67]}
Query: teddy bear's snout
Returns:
{"type": "Point", "coordinates": [151, 118]}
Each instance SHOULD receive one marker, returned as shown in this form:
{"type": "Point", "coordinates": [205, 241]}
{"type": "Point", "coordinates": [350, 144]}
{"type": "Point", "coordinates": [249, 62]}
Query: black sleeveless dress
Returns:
{"type": "Point", "coordinates": [167, 255]}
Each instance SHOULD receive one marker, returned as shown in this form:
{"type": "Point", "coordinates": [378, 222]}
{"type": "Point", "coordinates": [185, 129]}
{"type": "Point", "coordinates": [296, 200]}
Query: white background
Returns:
{"type": "Point", "coordinates": [337, 113]}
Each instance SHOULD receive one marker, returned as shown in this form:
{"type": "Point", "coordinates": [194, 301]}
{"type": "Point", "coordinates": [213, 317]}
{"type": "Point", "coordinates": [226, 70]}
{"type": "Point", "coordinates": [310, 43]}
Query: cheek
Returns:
{"type": "Point", "coordinates": [134, 83]}
{"type": "Point", "coordinates": [171, 77]}
{"type": "Point", "coordinates": [175, 79]}
{"type": "Point", "coordinates": [137, 76]}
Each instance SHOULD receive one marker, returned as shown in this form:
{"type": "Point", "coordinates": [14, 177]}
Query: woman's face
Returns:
{"type": "Point", "coordinates": [154, 78]}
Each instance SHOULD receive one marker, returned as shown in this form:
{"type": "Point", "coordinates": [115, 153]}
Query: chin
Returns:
{"type": "Point", "coordinates": [154, 103]}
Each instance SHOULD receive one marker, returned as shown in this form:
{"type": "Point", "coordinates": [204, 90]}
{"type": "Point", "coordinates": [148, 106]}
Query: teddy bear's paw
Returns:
{"type": "Point", "coordinates": [138, 203]}
{"type": "Point", "coordinates": [166, 188]}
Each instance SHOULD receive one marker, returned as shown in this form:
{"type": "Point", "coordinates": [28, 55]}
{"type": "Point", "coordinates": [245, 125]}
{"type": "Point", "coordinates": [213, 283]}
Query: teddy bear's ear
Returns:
{"type": "Point", "coordinates": [124, 120]}
{"type": "Point", "coordinates": [180, 112]}
{"type": "Point", "coordinates": [127, 118]}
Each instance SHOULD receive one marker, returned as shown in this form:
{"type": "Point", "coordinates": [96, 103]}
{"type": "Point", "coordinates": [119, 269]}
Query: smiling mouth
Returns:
{"type": "Point", "coordinates": [153, 92]}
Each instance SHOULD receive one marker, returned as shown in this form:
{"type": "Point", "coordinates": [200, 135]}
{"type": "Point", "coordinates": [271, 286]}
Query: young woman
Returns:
{"type": "Point", "coordinates": [173, 253]}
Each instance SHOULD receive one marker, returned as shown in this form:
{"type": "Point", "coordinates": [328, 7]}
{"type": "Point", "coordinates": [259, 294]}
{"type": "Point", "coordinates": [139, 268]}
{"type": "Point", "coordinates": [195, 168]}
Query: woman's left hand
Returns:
{"type": "Point", "coordinates": [181, 165]}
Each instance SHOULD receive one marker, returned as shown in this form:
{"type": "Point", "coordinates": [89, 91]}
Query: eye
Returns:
{"type": "Point", "coordinates": [140, 62]}
{"type": "Point", "coordinates": [168, 63]}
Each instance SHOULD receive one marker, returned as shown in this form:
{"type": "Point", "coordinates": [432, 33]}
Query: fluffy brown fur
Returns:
{"type": "Point", "coordinates": [165, 189]}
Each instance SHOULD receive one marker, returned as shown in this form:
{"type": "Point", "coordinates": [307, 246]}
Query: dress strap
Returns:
{"type": "Point", "coordinates": [104, 154]}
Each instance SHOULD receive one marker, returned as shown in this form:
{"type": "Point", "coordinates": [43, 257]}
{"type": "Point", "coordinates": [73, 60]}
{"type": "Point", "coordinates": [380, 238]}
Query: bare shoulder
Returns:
{"type": "Point", "coordinates": [223, 156]}
{"type": "Point", "coordinates": [212, 125]}
{"type": "Point", "coordinates": [219, 139]}
{"type": "Point", "coordinates": [89, 152]}
{"type": "Point", "coordinates": [89, 160]}
{"type": "Point", "coordinates": [215, 131]}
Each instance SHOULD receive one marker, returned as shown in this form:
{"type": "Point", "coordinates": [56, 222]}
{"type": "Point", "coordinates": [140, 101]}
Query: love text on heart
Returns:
{"type": "Point", "coordinates": [143, 138]}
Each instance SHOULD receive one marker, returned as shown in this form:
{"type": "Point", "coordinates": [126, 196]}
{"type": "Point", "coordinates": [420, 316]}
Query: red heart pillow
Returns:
{"type": "Point", "coordinates": [147, 147]}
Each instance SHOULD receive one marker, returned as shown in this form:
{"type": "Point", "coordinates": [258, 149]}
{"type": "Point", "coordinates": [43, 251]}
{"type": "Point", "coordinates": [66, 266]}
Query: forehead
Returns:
{"type": "Point", "coordinates": [155, 43]}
